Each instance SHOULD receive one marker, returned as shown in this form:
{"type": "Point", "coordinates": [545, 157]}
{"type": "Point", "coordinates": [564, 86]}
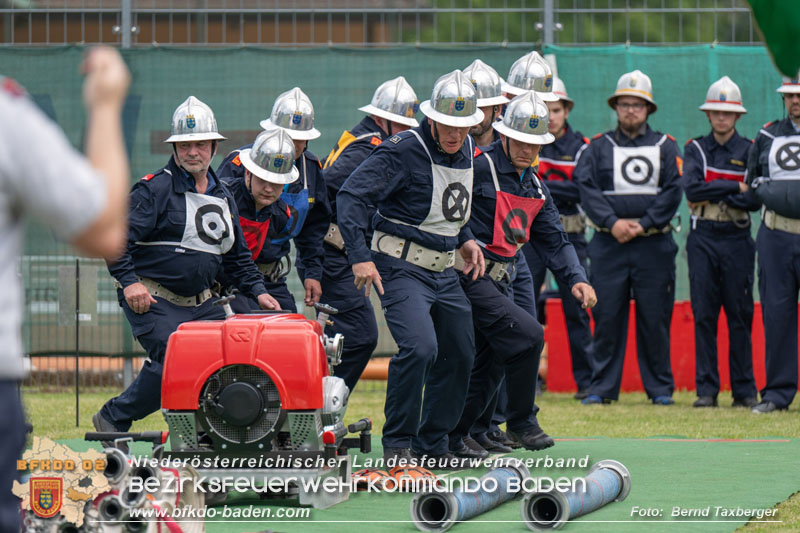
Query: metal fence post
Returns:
{"type": "Point", "coordinates": [125, 23]}
{"type": "Point", "coordinates": [549, 23]}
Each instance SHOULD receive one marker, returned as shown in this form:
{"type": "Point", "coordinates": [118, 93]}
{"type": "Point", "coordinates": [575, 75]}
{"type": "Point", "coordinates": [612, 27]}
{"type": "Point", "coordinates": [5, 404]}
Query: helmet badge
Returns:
{"type": "Point", "coordinates": [297, 116]}
{"type": "Point", "coordinates": [534, 121]}
{"type": "Point", "coordinates": [459, 105]}
{"type": "Point", "coordinates": [633, 81]}
{"type": "Point", "coordinates": [723, 96]}
{"type": "Point", "coordinates": [190, 121]}
{"type": "Point", "coordinates": [277, 161]}
{"type": "Point", "coordinates": [548, 82]}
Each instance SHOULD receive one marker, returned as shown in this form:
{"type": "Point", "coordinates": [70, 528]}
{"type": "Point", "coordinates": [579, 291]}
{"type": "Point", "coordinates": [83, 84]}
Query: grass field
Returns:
{"type": "Point", "coordinates": [53, 415]}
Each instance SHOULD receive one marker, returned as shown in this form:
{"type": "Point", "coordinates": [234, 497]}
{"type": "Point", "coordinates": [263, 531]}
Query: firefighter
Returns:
{"type": "Point", "coordinates": [263, 215]}
{"type": "Point", "coordinates": [488, 85]}
{"type": "Point", "coordinates": [510, 206]}
{"type": "Point", "coordinates": [306, 197]}
{"type": "Point", "coordinates": [420, 180]}
{"type": "Point", "coordinates": [720, 249]}
{"type": "Point", "coordinates": [392, 110]}
{"type": "Point", "coordinates": [556, 164]}
{"type": "Point", "coordinates": [629, 183]}
{"type": "Point", "coordinates": [183, 229]}
{"type": "Point", "coordinates": [773, 170]}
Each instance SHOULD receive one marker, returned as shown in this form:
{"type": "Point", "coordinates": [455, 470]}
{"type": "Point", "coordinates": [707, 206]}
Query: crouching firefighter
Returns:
{"type": "Point", "coordinates": [421, 182]}
{"type": "Point", "coordinates": [183, 230]}
{"type": "Point", "coordinates": [263, 215]}
{"type": "Point", "coordinates": [511, 206]}
{"type": "Point", "coordinates": [773, 170]}
{"type": "Point", "coordinates": [293, 112]}
{"type": "Point", "coordinates": [391, 111]}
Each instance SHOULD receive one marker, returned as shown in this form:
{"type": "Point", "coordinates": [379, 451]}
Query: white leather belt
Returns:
{"type": "Point", "coordinates": [157, 289]}
{"type": "Point", "coordinates": [334, 237]}
{"type": "Point", "coordinates": [773, 220]}
{"type": "Point", "coordinates": [495, 270]}
{"type": "Point", "coordinates": [573, 223]}
{"type": "Point", "coordinates": [414, 253]}
{"type": "Point", "coordinates": [721, 212]}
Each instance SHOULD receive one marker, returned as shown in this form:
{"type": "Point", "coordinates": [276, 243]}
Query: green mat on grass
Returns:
{"type": "Point", "coordinates": [666, 472]}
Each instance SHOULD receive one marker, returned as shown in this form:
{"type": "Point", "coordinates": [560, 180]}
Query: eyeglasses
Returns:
{"type": "Point", "coordinates": [636, 106]}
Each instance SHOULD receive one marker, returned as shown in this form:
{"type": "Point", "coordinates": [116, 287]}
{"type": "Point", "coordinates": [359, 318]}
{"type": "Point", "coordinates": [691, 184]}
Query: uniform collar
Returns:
{"type": "Point", "coordinates": [183, 182]}
{"type": "Point", "coordinates": [644, 129]}
{"type": "Point", "coordinates": [729, 144]}
{"type": "Point", "coordinates": [371, 126]}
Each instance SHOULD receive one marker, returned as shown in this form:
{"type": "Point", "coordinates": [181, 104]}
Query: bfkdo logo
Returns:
{"type": "Point", "coordinates": [46, 495]}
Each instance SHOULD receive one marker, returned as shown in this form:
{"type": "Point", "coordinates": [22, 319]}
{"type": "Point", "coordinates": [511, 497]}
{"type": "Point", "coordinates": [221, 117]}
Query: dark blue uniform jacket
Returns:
{"type": "Point", "coordinates": [309, 240]}
{"type": "Point", "coordinates": [397, 178]}
{"type": "Point", "coordinates": [781, 196]}
{"type": "Point", "coordinates": [546, 233]}
{"type": "Point", "coordinates": [705, 152]}
{"type": "Point", "coordinates": [158, 214]}
{"type": "Point", "coordinates": [595, 175]}
{"type": "Point", "coordinates": [564, 149]}
{"type": "Point", "coordinates": [352, 156]}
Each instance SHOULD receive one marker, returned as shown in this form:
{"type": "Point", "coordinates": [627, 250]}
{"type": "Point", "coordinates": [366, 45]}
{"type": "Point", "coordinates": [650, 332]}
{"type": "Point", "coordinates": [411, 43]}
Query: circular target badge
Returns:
{"type": "Point", "coordinates": [455, 202]}
{"type": "Point", "coordinates": [555, 174]}
{"type": "Point", "coordinates": [212, 228]}
{"type": "Point", "coordinates": [788, 156]}
{"type": "Point", "coordinates": [637, 170]}
{"type": "Point", "coordinates": [515, 235]}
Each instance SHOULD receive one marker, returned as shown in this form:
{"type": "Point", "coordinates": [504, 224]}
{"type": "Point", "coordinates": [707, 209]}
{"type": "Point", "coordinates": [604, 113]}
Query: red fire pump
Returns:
{"type": "Point", "coordinates": [258, 386]}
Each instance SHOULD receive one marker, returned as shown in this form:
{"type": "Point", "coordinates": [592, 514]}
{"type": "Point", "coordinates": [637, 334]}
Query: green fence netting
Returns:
{"type": "Point", "coordinates": [241, 84]}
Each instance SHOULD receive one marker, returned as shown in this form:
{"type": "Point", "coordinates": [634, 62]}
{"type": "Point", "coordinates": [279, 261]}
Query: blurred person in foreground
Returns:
{"type": "Point", "coordinates": [82, 199]}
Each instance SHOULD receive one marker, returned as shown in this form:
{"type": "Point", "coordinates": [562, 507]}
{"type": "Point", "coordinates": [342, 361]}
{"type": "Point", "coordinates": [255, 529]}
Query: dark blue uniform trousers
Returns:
{"type": "Point", "coordinates": [721, 275]}
{"type": "Point", "coordinates": [521, 291]}
{"type": "Point", "coordinates": [355, 319]}
{"type": "Point", "coordinates": [507, 340]}
{"type": "Point", "coordinates": [277, 289]}
{"type": "Point", "coordinates": [152, 329]}
{"type": "Point", "coordinates": [430, 319]}
{"type": "Point", "coordinates": [644, 269]}
{"type": "Point", "coordinates": [577, 318]}
{"type": "Point", "coordinates": [778, 283]}
{"type": "Point", "coordinates": [12, 427]}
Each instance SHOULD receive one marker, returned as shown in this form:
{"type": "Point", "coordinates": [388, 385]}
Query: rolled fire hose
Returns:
{"type": "Point", "coordinates": [438, 511]}
{"type": "Point", "coordinates": [607, 481]}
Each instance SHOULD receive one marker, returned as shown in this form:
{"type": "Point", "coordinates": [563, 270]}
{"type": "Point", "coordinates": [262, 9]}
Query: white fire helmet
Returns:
{"type": "Point", "coordinates": [635, 83]}
{"type": "Point", "coordinates": [531, 73]}
{"type": "Point", "coordinates": [294, 113]}
{"type": "Point", "coordinates": [526, 119]}
{"type": "Point", "coordinates": [790, 85]}
{"type": "Point", "coordinates": [487, 83]}
{"type": "Point", "coordinates": [193, 121]}
{"type": "Point", "coordinates": [453, 102]}
{"type": "Point", "coordinates": [724, 95]}
{"type": "Point", "coordinates": [272, 157]}
{"type": "Point", "coordinates": [394, 100]}
{"type": "Point", "coordinates": [560, 90]}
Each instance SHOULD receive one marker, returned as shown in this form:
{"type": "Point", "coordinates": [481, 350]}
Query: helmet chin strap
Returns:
{"type": "Point", "coordinates": [435, 135]}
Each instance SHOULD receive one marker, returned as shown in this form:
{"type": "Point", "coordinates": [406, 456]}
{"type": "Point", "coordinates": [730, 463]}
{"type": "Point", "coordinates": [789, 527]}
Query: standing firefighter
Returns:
{"type": "Point", "coordinates": [629, 182]}
{"type": "Point", "coordinates": [391, 111]}
{"type": "Point", "coordinates": [511, 206]}
{"type": "Point", "coordinates": [773, 170]}
{"type": "Point", "coordinates": [556, 165]}
{"type": "Point", "coordinates": [720, 249]}
{"type": "Point", "coordinates": [306, 197]}
{"type": "Point", "coordinates": [421, 182]}
{"type": "Point", "coordinates": [263, 215]}
{"type": "Point", "coordinates": [183, 230]}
